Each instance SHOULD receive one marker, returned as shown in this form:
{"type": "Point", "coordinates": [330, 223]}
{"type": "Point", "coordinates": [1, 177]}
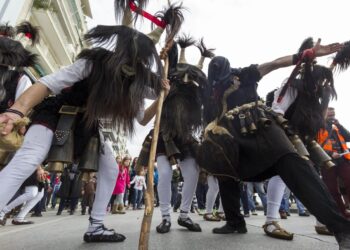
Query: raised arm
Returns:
{"type": "Point", "coordinates": [316, 51]}
{"type": "Point", "coordinates": [53, 83]}
{"type": "Point", "coordinates": [152, 110]}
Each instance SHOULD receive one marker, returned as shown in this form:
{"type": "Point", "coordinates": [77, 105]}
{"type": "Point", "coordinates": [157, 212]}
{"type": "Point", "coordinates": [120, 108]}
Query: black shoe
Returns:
{"type": "Point", "coordinates": [59, 212]}
{"type": "Point", "coordinates": [287, 213]}
{"type": "Point", "coordinates": [163, 227]}
{"type": "Point", "coordinates": [36, 215]}
{"type": "Point", "coordinates": [305, 214]}
{"type": "Point", "coordinates": [71, 212]}
{"type": "Point", "coordinates": [189, 224]}
{"type": "Point", "coordinates": [26, 222]}
{"type": "Point", "coordinates": [343, 240]}
{"type": "Point", "coordinates": [88, 237]}
{"type": "Point", "coordinates": [229, 228]}
{"type": "Point", "coordinates": [83, 213]}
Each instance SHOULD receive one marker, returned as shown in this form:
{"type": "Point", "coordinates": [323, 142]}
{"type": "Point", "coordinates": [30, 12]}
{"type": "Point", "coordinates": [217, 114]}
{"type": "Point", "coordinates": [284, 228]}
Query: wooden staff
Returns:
{"type": "Point", "coordinates": [149, 196]}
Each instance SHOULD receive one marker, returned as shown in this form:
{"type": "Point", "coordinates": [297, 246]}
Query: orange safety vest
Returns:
{"type": "Point", "coordinates": [323, 139]}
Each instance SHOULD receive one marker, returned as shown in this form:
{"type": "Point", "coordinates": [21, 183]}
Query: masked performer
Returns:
{"type": "Point", "coordinates": [302, 100]}
{"type": "Point", "coordinates": [110, 83]}
{"type": "Point", "coordinates": [180, 120]}
{"type": "Point", "coordinates": [14, 58]}
{"type": "Point", "coordinates": [250, 145]}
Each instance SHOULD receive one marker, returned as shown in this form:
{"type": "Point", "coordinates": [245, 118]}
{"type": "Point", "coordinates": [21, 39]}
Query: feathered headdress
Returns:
{"type": "Point", "coordinates": [341, 61]}
{"type": "Point", "coordinates": [128, 63]}
{"type": "Point", "coordinates": [182, 109]}
{"type": "Point", "coordinates": [13, 54]}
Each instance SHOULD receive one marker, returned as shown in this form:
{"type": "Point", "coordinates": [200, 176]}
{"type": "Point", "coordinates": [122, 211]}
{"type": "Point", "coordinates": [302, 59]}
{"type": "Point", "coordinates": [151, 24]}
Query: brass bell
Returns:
{"type": "Point", "coordinates": [244, 130]}
{"type": "Point", "coordinates": [282, 121]}
{"type": "Point", "coordinates": [319, 156]}
{"type": "Point", "coordinates": [263, 120]}
{"type": "Point", "coordinates": [60, 154]}
{"type": "Point", "coordinates": [252, 128]}
{"type": "Point", "coordinates": [55, 166]}
{"type": "Point", "coordinates": [299, 146]}
{"type": "Point", "coordinates": [89, 160]}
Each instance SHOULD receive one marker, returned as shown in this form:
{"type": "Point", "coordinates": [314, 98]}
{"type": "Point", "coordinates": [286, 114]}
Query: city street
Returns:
{"type": "Point", "coordinates": [65, 232]}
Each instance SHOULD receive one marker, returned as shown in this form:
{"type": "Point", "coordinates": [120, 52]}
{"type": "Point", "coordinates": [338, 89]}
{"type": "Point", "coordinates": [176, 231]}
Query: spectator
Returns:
{"type": "Point", "coordinates": [333, 140]}
{"type": "Point", "coordinates": [140, 183]}
{"type": "Point", "coordinates": [123, 181]}
{"type": "Point", "coordinates": [88, 193]}
{"type": "Point", "coordinates": [56, 186]}
{"type": "Point", "coordinates": [70, 189]}
{"type": "Point", "coordinates": [174, 185]}
{"type": "Point", "coordinates": [155, 186]}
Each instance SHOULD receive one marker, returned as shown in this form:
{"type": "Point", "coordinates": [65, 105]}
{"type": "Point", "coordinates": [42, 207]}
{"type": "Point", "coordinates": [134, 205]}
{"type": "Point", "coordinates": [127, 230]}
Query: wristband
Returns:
{"type": "Point", "coordinates": [15, 112]}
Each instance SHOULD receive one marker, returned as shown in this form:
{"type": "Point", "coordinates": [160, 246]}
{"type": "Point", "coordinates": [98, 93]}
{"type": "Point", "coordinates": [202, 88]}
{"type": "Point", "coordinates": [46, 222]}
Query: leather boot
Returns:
{"type": "Point", "coordinates": [114, 209]}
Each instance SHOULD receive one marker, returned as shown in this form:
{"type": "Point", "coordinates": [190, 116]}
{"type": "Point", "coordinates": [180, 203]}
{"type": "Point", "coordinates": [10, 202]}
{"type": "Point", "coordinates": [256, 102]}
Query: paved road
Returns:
{"type": "Point", "coordinates": [65, 232]}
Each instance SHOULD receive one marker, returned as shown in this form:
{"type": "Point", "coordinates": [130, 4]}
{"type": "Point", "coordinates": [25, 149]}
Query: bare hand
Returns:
{"type": "Point", "coordinates": [323, 50]}
{"type": "Point", "coordinates": [335, 155]}
{"type": "Point", "coordinates": [7, 120]}
{"type": "Point", "coordinates": [166, 86]}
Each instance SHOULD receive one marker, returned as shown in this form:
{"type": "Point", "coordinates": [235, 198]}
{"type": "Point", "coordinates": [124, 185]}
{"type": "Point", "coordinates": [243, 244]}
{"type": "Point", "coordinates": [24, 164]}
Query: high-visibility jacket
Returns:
{"type": "Point", "coordinates": [324, 139]}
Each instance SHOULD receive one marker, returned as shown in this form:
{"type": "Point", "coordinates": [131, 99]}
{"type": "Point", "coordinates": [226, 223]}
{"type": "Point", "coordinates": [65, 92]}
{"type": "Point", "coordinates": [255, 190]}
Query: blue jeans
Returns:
{"type": "Point", "coordinates": [137, 198]}
{"type": "Point", "coordinates": [54, 196]}
{"type": "Point", "coordinates": [285, 202]}
{"type": "Point", "coordinates": [259, 187]}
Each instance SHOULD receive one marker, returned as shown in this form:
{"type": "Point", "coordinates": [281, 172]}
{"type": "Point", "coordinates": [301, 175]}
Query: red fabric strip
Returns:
{"type": "Point", "coordinates": [147, 15]}
{"type": "Point", "coordinates": [28, 35]}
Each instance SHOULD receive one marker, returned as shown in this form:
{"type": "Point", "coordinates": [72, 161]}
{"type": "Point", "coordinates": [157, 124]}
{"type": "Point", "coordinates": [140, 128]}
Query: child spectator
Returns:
{"type": "Point", "coordinates": [140, 183]}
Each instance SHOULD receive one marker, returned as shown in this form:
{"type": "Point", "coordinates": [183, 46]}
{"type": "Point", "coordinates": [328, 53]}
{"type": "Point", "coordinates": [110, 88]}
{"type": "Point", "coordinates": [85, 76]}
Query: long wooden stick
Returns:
{"type": "Point", "coordinates": [149, 196]}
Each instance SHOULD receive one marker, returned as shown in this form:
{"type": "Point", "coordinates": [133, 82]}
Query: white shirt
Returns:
{"type": "Point", "coordinates": [287, 100]}
{"type": "Point", "coordinates": [79, 70]}
{"type": "Point", "coordinates": [139, 181]}
{"type": "Point", "coordinates": [23, 84]}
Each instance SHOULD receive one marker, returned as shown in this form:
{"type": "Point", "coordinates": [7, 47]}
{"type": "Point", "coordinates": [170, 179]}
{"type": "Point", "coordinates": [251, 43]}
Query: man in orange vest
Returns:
{"type": "Point", "coordinates": [333, 140]}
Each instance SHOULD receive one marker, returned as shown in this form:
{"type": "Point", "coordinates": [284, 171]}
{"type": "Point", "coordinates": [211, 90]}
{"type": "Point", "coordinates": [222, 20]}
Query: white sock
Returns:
{"type": "Point", "coordinates": [183, 215]}
{"type": "Point", "coordinates": [166, 217]}
{"type": "Point", "coordinates": [96, 227]}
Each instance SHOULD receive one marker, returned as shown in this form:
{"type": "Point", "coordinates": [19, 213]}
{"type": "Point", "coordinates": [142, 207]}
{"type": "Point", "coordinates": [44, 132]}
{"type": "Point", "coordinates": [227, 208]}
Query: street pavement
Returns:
{"type": "Point", "coordinates": [65, 232]}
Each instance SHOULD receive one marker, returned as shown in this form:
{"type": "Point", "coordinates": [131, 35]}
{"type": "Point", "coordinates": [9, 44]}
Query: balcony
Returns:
{"type": "Point", "coordinates": [54, 34]}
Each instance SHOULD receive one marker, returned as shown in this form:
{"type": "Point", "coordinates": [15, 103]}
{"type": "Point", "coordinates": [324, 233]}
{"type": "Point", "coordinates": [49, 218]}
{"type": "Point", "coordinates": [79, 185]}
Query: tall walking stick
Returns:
{"type": "Point", "coordinates": [173, 18]}
{"type": "Point", "coordinates": [149, 196]}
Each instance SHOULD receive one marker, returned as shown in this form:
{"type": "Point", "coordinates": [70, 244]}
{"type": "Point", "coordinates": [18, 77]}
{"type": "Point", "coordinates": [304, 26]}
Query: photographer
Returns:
{"type": "Point", "coordinates": [333, 140]}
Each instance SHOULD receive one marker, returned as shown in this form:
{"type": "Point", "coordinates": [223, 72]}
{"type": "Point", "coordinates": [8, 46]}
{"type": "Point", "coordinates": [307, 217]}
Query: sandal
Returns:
{"type": "Point", "coordinates": [210, 217]}
{"type": "Point", "coordinates": [278, 232]}
{"type": "Point", "coordinates": [323, 230]}
{"type": "Point", "coordinates": [220, 215]}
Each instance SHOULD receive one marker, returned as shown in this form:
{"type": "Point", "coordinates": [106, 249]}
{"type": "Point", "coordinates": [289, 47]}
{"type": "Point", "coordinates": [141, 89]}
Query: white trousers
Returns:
{"type": "Point", "coordinates": [30, 197]}
{"type": "Point", "coordinates": [275, 192]}
{"type": "Point", "coordinates": [212, 193]}
{"type": "Point", "coordinates": [30, 203]}
{"type": "Point", "coordinates": [36, 145]}
{"type": "Point", "coordinates": [190, 173]}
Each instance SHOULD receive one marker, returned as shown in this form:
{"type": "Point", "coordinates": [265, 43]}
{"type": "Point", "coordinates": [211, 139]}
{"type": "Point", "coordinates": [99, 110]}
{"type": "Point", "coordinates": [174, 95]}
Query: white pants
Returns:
{"type": "Point", "coordinates": [190, 173]}
{"type": "Point", "coordinates": [212, 193]}
{"type": "Point", "coordinates": [36, 145]}
{"type": "Point", "coordinates": [275, 192]}
{"type": "Point", "coordinates": [30, 204]}
{"type": "Point", "coordinates": [30, 197]}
